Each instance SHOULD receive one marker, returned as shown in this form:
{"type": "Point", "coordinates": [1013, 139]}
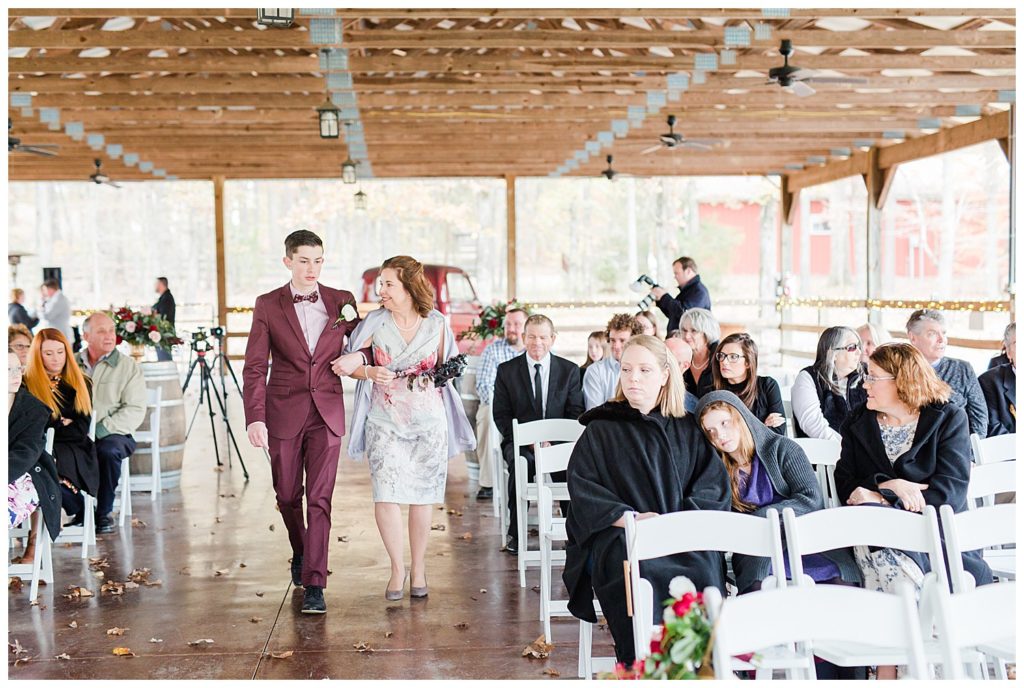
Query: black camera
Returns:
{"type": "Point", "coordinates": [217, 331]}
{"type": "Point", "coordinates": [200, 341]}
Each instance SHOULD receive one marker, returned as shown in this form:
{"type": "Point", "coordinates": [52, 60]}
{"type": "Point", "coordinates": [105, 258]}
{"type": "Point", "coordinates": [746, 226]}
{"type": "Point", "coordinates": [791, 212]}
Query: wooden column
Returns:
{"type": "Point", "coordinates": [222, 288]}
{"type": "Point", "coordinates": [510, 229]}
{"type": "Point", "coordinates": [878, 181]}
{"type": "Point", "coordinates": [787, 214]}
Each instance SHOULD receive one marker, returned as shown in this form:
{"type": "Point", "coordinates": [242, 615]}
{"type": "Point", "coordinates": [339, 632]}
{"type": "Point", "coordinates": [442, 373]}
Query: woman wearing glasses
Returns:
{"type": "Point", "coordinates": [19, 341]}
{"type": "Point", "coordinates": [825, 392]}
{"type": "Point", "coordinates": [701, 331]}
{"type": "Point", "coordinates": [734, 369]}
{"type": "Point", "coordinates": [907, 448]}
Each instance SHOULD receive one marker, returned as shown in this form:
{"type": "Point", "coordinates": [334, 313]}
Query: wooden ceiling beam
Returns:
{"type": "Point", "coordinates": [540, 38]}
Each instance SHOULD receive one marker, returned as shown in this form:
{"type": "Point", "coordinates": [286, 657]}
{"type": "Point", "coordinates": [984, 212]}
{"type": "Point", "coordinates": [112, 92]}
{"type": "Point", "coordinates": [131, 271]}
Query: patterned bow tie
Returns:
{"type": "Point", "coordinates": [312, 297]}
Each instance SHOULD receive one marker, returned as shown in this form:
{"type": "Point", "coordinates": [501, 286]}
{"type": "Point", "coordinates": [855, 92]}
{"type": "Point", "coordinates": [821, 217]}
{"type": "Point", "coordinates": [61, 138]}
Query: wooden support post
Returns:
{"type": "Point", "coordinates": [787, 215]}
{"type": "Point", "coordinates": [788, 201]}
{"type": "Point", "coordinates": [878, 182]}
{"type": "Point", "coordinates": [222, 290]}
{"type": "Point", "coordinates": [510, 229]}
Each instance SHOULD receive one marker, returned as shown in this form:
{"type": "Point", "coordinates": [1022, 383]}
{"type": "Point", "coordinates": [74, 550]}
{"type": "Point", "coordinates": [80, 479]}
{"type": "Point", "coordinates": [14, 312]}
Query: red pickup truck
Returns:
{"type": "Point", "coordinates": [454, 294]}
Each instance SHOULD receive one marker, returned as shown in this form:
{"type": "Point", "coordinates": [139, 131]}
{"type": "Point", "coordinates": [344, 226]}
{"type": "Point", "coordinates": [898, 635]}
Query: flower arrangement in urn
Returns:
{"type": "Point", "coordinates": [681, 646]}
{"type": "Point", "coordinates": [491, 321]}
{"type": "Point", "coordinates": [143, 328]}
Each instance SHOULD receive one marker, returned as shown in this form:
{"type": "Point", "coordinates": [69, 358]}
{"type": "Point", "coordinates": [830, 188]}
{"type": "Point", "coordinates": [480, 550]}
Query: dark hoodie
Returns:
{"type": "Point", "coordinates": [792, 479]}
{"type": "Point", "coordinates": [628, 461]}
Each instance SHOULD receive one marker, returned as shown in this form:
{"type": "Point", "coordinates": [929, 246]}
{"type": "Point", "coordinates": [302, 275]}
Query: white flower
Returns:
{"type": "Point", "coordinates": [129, 327]}
{"type": "Point", "coordinates": [348, 312]}
{"type": "Point", "coordinates": [668, 616]}
{"type": "Point", "coordinates": [154, 336]}
{"type": "Point", "coordinates": [679, 586]}
{"type": "Point", "coordinates": [146, 310]}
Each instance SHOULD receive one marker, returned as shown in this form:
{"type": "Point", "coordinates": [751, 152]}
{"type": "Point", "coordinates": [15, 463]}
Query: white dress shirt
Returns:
{"type": "Point", "coordinates": [312, 317]}
{"type": "Point", "coordinates": [599, 381]}
{"type": "Point", "coordinates": [545, 375]}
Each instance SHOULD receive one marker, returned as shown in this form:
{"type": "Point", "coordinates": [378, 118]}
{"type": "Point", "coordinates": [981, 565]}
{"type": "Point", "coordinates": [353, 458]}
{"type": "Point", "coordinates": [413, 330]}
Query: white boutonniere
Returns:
{"type": "Point", "coordinates": [347, 313]}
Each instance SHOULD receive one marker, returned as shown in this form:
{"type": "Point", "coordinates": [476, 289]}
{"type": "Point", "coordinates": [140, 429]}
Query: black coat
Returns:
{"type": "Point", "coordinates": [165, 306]}
{"type": "Point", "coordinates": [26, 453]}
{"type": "Point", "coordinates": [706, 383]}
{"type": "Point", "coordinates": [513, 397]}
{"type": "Point", "coordinates": [627, 461]}
{"type": "Point", "coordinates": [72, 447]}
{"type": "Point", "coordinates": [17, 315]}
{"type": "Point", "coordinates": [691, 295]}
{"type": "Point", "coordinates": [940, 456]}
{"type": "Point", "coordinates": [768, 401]}
{"type": "Point", "coordinates": [999, 385]}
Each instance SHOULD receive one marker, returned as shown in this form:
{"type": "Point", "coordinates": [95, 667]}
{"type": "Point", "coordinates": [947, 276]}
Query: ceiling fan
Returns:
{"type": "Point", "coordinates": [674, 140]}
{"type": "Point", "coordinates": [609, 173]}
{"type": "Point", "coordinates": [794, 79]}
{"type": "Point", "coordinates": [99, 178]}
{"type": "Point", "coordinates": [14, 145]}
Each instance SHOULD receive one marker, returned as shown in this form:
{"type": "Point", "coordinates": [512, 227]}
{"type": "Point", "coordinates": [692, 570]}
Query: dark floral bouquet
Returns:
{"type": "Point", "coordinates": [491, 321]}
{"type": "Point", "coordinates": [681, 648]}
{"type": "Point", "coordinates": [439, 374]}
{"type": "Point", "coordinates": [143, 328]}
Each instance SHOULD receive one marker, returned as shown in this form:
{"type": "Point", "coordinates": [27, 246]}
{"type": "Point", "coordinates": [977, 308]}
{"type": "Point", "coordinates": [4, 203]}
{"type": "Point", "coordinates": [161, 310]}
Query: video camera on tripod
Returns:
{"type": "Point", "coordinates": [203, 341]}
{"type": "Point", "coordinates": [644, 283]}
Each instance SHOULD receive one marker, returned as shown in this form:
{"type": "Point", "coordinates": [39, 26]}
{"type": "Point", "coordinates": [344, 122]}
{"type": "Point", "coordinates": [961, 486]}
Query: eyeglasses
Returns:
{"type": "Point", "coordinates": [849, 348]}
{"type": "Point", "coordinates": [21, 347]}
{"type": "Point", "coordinates": [871, 379]}
{"type": "Point", "coordinates": [731, 358]}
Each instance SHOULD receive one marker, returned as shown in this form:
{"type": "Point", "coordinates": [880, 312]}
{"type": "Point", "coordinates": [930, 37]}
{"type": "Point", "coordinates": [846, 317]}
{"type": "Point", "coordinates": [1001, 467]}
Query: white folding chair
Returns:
{"type": "Point", "coordinates": [807, 616]}
{"type": "Point", "coordinates": [499, 476]}
{"type": "Point", "coordinates": [550, 460]}
{"type": "Point", "coordinates": [989, 479]}
{"type": "Point", "coordinates": [588, 664]}
{"type": "Point", "coordinates": [787, 409]}
{"type": "Point", "coordinates": [154, 397]}
{"type": "Point", "coordinates": [979, 529]}
{"type": "Point", "coordinates": [994, 449]}
{"type": "Point", "coordinates": [123, 501]}
{"type": "Point", "coordinates": [694, 531]}
{"type": "Point", "coordinates": [85, 533]}
{"type": "Point", "coordinates": [41, 568]}
{"type": "Point", "coordinates": [523, 434]}
{"type": "Point", "coordinates": [981, 620]}
{"type": "Point", "coordinates": [823, 455]}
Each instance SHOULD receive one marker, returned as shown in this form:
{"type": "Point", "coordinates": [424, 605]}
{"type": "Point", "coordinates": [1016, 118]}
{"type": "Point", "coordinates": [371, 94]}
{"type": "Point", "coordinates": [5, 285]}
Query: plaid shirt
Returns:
{"type": "Point", "coordinates": [496, 353]}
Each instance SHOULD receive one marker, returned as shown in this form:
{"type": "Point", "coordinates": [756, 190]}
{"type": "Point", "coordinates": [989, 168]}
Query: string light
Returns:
{"type": "Point", "coordinates": [949, 306]}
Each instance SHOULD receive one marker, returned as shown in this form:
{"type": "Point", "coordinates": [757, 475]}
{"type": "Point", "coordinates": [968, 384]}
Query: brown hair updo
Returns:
{"type": "Point", "coordinates": [410, 274]}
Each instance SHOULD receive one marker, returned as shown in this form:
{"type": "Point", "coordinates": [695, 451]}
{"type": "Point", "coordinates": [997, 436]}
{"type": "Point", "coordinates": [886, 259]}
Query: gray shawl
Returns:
{"type": "Point", "coordinates": [461, 436]}
{"type": "Point", "coordinates": [792, 477]}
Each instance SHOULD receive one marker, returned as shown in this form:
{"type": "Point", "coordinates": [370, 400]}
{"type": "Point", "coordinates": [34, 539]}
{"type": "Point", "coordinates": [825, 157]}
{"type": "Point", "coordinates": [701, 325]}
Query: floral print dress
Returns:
{"type": "Point", "coordinates": [406, 428]}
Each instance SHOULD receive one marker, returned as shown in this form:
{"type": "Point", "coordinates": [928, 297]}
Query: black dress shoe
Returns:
{"type": "Point", "coordinates": [313, 600]}
{"type": "Point", "coordinates": [104, 524]}
{"type": "Point", "coordinates": [297, 570]}
{"type": "Point", "coordinates": [485, 493]}
{"type": "Point", "coordinates": [513, 546]}
{"type": "Point", "coordinates": [77, 522]}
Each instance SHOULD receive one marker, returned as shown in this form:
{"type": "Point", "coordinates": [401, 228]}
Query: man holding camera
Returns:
{"type": "Point", "coordinates": [692, 292]}
{"type": "Point", "coordinates": [164, 306]}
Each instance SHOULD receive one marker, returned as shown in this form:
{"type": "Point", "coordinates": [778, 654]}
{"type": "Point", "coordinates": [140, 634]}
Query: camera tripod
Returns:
{"type": "Point", "coordinates": [208, 389]}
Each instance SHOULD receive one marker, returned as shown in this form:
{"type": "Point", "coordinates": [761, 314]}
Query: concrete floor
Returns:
{"type": "Point", "coordinates": [218, 523]}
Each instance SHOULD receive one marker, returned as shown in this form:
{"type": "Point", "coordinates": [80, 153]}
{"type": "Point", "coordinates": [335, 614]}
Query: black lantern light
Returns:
{"type": "Point", "coordinates": [280, 18]}
{"type": "Point", "coordinates": [360, 200]}
{"type": "Point", "coordinates": [348, 171]}
{"type": "Point", "coordinates": [329, 120]}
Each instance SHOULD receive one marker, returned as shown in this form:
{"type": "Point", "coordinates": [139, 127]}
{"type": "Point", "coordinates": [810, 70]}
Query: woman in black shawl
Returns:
{"type": "Point", "coordinates": [641, 453]}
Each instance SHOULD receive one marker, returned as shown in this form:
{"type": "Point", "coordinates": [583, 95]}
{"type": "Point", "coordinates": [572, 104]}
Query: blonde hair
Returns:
{"type": "Point", "coordinates": [37, 379]}
{"type": "Point", "coordinates": [744, 449]}
{"type": "Point", "coordinates": [601, 337]}
{"type": "Point", "coordinates": [672, 397]}
{"type": "Point", "coordinates": [16, 294]}
{"type": "Point", "coordinates": [879, 335]}
{"type": "Point", "coordinates": [917, 383]}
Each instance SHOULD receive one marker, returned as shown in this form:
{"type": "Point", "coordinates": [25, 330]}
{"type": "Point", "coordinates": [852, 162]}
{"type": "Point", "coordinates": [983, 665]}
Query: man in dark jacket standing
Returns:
{"type": "Point", "coordinates": [165, 307]}
{"type": "Point", "coordinates": [999, 385]}
{"type": "Point", "coordinates": [692, 292]}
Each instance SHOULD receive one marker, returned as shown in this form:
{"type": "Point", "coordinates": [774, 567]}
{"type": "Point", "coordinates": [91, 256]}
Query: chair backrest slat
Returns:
{"type": "Point", "coordinates": [553, 459]}
{"type": "Point", "coordinates": [972, 530]}
{"type": "Point", "coordinates": [991, 479]}
{"type": "Point", "coordinates": [994, 449]}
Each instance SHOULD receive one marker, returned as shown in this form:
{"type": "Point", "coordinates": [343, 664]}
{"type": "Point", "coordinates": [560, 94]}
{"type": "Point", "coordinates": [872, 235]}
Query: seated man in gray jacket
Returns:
{"type": "Point", "coordinates": [119, 407]}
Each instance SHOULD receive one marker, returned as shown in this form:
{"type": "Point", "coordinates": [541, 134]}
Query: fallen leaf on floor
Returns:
{"type": "Point", "coordinates": [131, 585]}
{"type": "Point", "coordinates": [138, 523]}
{"type": "Point", "coordinates": [551, 672]}
{"type": "Point", "coordinates": [16, 647]}
{"type": "Point", "coordinates": [113, 587]}
{"type": "Point", "coordinates": [534, 531]}
{"type": "Point", "coordinates": [388, 634]}
{"type": "Point", "coordinates": [73, 624]}
{"type": "Point", "coordinates": [117, 631]}
{"type": "Point", "coordinates": [442, 554]}
{"type": "Point", "coordinates": [35, 603]}
{"type": "Point", "coordinates": [451, 511]}
{"type": "Point", "coordinates": [440, 508]}
{"type": "Point", "coordinates": [228, 496]}
{"type": "Point", "coordinates": [362, 647]}
{"type": "Point", "coordinates": [150, 584]}
{"type": "Point", "coordinates": [156, 640]}
{"type": "Point", "coordinates": [175, 508]}
{"type": "Point", "coordinates": [138, 575]}
{"type": "Point", "coordinates": [271, 527]}
{"type": "Point", "coordinates": [538, 649]}
{"type": "Point", "coordinates": [438, 526]}
{"type": "Point", "coordinates": [259, 593]}
{"type": "Point", "coordinates": [535, 588]}
{"type": "Point", "coordinates": [221, 572]}
{"type": "Point", "coordinates": [242, 565]}
{"type": "Point", "coordinates": [462, 626]}
{"type": "Point", "coordinates": [329, 572]}
{"type": "Point", "coordinates": [96, 563]}
{"type": "Point", "coordinates": [343, 538]}
{"type": "Point", "coordinates": [16, 584]}
{"type": "Point", "coordinates": [99, 574]}
{"type": "Point", "coordinates": [484, 590]}
{"type": "Point", "coordinates": [472, 598]}
{"type": "Point", "coordinates": [62, 655]}
{"type": "Point", "coordinates": [218, 469]}
{"type": "Point", "coordinates": [123, 652]}
{"type": "Point", "coordinates": [76, 591]}
{"type": "Point", "coordinates": [218, 520]}
{"type": "Point", "coordinates": [466, 536]}
{"type": "Point", "coordinates": [256, 619]}
{"type": "Point", "coordinates": [22, 660]}
{"type": "Point", "coordinates": [185, 571]}
{"type": "Point", "coordinates": [282, 655]}
{"type": "Point", "coordinates": [202, 642]}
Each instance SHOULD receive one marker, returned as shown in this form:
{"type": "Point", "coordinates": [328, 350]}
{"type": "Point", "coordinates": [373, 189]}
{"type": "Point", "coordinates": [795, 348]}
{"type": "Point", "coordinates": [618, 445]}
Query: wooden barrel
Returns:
{"type": "Point", "coordinates": [162, 374]}
{"type": "Point", "coordinates": [466, 386]}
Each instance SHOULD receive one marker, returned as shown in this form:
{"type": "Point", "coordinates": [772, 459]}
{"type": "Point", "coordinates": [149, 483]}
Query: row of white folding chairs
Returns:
{"type": "Point", "coordinates": [811, 533]}
{"type": "Point", "coordinates": [41, 568]}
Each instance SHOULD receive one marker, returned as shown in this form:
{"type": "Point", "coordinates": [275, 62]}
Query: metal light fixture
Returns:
{"type": "Point", "coordinates": [281, 18]}
{"type": "Point", "coordinates": [329, 120]}
{"type": "Point", "coordinates": [360, 200]}
{"type": "Point", "coordinates": [348, 171]}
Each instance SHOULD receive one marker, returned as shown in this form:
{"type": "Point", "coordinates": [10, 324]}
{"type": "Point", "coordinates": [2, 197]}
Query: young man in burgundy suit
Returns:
{"type": "Point", "coordinates": [298, 415]}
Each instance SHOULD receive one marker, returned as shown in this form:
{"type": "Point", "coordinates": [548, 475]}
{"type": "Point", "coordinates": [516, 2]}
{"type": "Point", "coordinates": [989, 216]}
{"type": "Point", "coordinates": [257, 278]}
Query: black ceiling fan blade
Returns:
{"type": "Point", "coordinates": [37, 150]}
{"type": "Point", "coordinates": [835, 79]}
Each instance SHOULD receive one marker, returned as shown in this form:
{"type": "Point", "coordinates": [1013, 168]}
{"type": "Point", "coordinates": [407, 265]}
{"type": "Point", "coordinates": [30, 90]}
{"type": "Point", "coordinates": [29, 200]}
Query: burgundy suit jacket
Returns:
{"type": "Point", "coordinates": [297, 378]}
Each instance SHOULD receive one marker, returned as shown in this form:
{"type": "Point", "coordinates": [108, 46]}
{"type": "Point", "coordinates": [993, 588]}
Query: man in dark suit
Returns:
{"type": "Point", "coordinates": [999, 385]}
{"type": "Point", "coordinates": [532, 387]}
{"type": "Point", "coordinates": [164, 306]}
{"type": "Point", "coordinates": [692, 292]}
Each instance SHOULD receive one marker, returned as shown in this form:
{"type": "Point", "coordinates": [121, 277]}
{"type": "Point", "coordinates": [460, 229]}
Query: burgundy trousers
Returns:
{"type": "Point", "coordinates": [314, 450]}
